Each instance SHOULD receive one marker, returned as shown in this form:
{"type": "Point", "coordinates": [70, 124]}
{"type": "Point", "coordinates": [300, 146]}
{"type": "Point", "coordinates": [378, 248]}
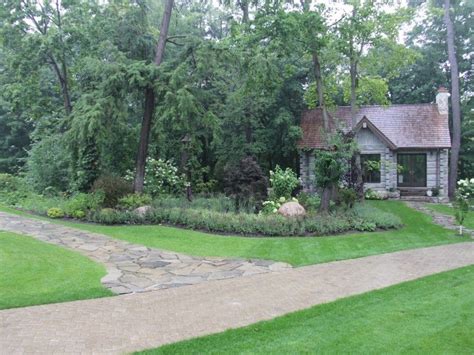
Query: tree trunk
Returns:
{"type": "Point", "coordinates": [244, 6]}
{"type": "Point", "coordinates": [320, 89]}
{"type": "Point", "coordinates": [353, 71]}
{"type": "Point", "coordinates": [455, 101]}
{"type": "Point", "coordinates": [325, 199]}
{"type": "Point", "coordinates": [150, 103]}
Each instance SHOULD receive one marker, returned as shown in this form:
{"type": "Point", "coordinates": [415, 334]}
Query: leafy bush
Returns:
{"type": "Point", "coordinates": [112, 216]}
{"type": "Point", "coordinates": [12, 189]}
{"type": "Point", "coordinates": [347, 197]}
{"type": "Point", "coordinates": [283, 182]}
{"type": "Point", "coordinates": [245, 182]}
{"type": "Point", "coordinates": [370, 194]}
{"type": "Point", "coordinates": [161, 178]}
{"type": "Point", "coordinates": [55, 212]}
{"type": "Point", "coordinates": [133, 201]}
{"type": "Point", "coordinates": [79, 214]}
{"type": "Point", "coordinates": [309, 201]}
{"type": "Point", "coordinates": [48, 164]}
{"type": "Point", "coordinates": [83, 202]}
{"type": "Point", "coordinates": [219, 203]}
{"type": "Point", "coordinates": [113, 188]}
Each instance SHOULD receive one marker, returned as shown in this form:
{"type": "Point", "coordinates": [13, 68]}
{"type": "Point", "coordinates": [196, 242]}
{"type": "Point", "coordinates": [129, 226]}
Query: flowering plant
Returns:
{"type": "Point", "coordinates": [464, 196]}
{"type": "Point", "coordinates": [465, 189]}
{"type": "Point", "coordinates": [161, 178]}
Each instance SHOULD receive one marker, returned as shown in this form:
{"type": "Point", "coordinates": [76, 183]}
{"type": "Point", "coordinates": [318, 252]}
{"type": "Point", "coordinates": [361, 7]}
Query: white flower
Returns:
{"type": "Point", "coordinates": [275, 210]}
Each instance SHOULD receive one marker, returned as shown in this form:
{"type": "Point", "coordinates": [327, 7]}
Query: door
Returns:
{"type": "Point", "coordinates": [412, 170]}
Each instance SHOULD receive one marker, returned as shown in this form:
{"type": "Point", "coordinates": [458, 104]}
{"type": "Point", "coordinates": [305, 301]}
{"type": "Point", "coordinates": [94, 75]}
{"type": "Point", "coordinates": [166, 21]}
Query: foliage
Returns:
{"type": "Point", "coordinates": [80, 204]}
{"type": "Point", "coordinates": [283, 182]}
{"type": "Point", "coordinates": [55, 212]}
{"type": "Point", "coordinates": [463, 198]}
{"type": "Point", "coordinates": [347, 197]}
{"type": "Point", "coordinates": [332, 164]}
{"type": "Point", "coordinates": [465, 189]}
{"type": "Point", "coordinates": [132, 201]}
{"type": "Point", "coordinates": [245, 182]}
{"type": "Point", "coordinates": [113, 188]}
{"type": "Point", "coordinates": [370, 194]}
{"type": "Point", "coordinates": [47, 164]}
{"type": "Point", "coordinates": [162, 178]}
{"type": "Point", "coordinates": [310, 202]}
{"type": "Point", "coordinates": [253, 224]}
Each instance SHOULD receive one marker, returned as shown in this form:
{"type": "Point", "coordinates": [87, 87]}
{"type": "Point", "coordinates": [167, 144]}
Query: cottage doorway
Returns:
{"type": "Point", "coordinates": [413, 170]}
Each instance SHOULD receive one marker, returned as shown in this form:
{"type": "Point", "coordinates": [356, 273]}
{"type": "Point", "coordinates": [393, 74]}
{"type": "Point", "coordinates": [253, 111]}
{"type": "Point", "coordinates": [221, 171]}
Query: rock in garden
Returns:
{"type": "Point", "coordinates": [292, 209]}
{"type": "Point", "coordinates": [142, 211]}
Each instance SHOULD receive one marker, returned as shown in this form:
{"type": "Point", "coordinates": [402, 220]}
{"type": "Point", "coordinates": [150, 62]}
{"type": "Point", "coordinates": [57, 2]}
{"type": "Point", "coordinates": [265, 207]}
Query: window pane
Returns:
{"type": "Point", "coordinates": [371, 166]}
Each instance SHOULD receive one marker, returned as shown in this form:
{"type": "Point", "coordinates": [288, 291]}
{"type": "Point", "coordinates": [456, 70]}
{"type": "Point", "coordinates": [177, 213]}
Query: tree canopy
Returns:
{"type": "Point", "coordinates": [233, 82]}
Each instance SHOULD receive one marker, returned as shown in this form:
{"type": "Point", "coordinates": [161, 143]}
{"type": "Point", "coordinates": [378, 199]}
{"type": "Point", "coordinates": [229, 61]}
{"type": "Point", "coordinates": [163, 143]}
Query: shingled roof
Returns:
{"type": "Point", "coordinates": [405, 126]}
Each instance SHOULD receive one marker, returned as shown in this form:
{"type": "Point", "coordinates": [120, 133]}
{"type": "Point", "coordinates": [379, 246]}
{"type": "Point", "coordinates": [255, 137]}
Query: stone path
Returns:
{"type": "Point", "coordinates": [443, 220]}
{"type": "Point", "coordinates": [132, 322]}
{"type": "Point", "coordinates": [135, 268]}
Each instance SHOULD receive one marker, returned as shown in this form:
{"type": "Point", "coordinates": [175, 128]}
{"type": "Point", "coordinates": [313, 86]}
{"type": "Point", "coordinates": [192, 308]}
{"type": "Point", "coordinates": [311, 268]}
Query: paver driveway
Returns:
{"type": "Point", "coordinates": [137, 321]}
{"type": "Point", "coordinates": [135, 268]}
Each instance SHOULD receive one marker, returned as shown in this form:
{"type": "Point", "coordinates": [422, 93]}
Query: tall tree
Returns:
{"type": "Point", "coordinates": [150, 102]}
{"type": "Point", "coordinates": [455, 99]}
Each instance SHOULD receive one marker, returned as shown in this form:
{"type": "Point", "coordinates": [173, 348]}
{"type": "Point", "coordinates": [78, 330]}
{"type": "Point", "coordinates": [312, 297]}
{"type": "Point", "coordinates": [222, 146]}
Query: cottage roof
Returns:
{"type": "Point", "coordinates": [404, 126]}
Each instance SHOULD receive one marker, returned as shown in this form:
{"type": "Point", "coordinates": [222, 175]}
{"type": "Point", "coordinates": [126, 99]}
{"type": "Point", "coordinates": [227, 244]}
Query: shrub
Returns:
{"type": "Point", "coordinates": [12, 189]}
{"type": "Point", "coordinates": [48, 164]}
{"type": "Point", "coordinates": [55, 212]}
{"type": "Point", "coordinates": [133, 201]}
{"type": "Point", "coordinates": [83, 202]}
{"type": "Point", "coordinates": [347, 197]}
{"type": "Point", "coordinates": [283, 182]}
{"type": "Point", "coordinates": [113, 188]}
{"type": "Point", "coordinates": [112, 216]}
{"type": "Point", "coordinates": [245, 182]}
{"type": "Point", "coordinates": [309, 201]}
{"type": "Point", "coordinates": [161, 178]}
{"type": "Point", "coordinates": [79, 214]}
{"type": "Point", "coordinates": [372, 195]}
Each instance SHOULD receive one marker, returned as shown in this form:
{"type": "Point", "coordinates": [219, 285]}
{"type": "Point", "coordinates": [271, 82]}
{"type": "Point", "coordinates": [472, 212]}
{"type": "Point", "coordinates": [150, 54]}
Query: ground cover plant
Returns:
{"type": "Point", "coordinates": [413, 317]}
{"type": "Point", "coordinates": [34, 272]}
{"type": "Point", "coordinates": [418, 231]}
{"type": "Point", "coordinates": [110, 203]}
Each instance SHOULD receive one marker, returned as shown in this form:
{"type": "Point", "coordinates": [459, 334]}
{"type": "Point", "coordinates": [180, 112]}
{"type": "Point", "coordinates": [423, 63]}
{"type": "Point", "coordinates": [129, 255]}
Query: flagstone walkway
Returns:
{"type": "Point", "coordinates": [443, 220]}
{"type": "Point", "coordinates": [116, 325]}
{"type": "Point", "coordinates": [135, 268]}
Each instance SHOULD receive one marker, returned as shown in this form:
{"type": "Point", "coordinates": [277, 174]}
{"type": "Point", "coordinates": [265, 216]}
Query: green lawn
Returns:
{"type": "Point", "coordinates": [34, 272]}
{"type": "Point", "coordinates": [433, 315]}
{"type": "Point", "coordinates": [418, 232]}
{"type": "Point", "coordinates": [445, 209]}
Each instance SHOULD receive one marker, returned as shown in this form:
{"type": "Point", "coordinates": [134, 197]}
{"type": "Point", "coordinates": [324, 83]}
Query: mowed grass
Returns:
{"type": "Point", "coordinates": [418, 231]}
{"type": "Point", "coordinates": [448, 210]}
{"type": "Point", "coordinates": [433, 315]}
{"type": "Point", "coordinates": [33, 272]}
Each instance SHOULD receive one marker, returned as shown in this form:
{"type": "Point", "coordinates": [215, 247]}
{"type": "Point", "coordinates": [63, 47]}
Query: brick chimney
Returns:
{"type": "Point", "coordinates": [442, 100]}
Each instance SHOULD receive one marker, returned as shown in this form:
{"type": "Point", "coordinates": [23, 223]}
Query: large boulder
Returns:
{"type": "Point", "coordinates": [142, 211]}
{"type": "Point", "coordinates": [292, 209]}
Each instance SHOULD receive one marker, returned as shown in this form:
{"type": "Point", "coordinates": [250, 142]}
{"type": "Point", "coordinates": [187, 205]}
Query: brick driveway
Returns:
{"type": "Point", "coordinates": [145, 320]}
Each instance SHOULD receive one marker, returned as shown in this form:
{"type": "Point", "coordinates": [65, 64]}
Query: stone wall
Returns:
{"type": "Point", "coordinates": [307, 175]}
{"type": "Point", "coordinates": [370, 144]}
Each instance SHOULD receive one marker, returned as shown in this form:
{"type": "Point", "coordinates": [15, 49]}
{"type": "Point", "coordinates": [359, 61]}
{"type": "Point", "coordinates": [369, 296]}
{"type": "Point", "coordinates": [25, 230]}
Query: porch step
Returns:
{"type": "Point", "coordinates": [414, 191]}
{"type": "Point", "coordinates": [416, 198]}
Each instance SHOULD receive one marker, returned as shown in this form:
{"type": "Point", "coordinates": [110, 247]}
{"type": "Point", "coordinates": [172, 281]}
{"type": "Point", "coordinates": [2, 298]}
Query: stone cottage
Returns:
{"type": "Point", "coordinates": [410, 143]}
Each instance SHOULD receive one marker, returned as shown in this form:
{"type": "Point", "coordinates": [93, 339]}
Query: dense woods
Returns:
{"type": "Point", "coordinates": [226, 80]}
